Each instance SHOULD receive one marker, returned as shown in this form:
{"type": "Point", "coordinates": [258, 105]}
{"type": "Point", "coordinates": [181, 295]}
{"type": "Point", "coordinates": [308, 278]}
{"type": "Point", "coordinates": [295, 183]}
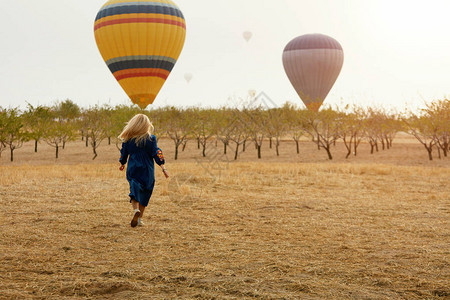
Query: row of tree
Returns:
{"type": "Point", "coordinates": [233, 128]}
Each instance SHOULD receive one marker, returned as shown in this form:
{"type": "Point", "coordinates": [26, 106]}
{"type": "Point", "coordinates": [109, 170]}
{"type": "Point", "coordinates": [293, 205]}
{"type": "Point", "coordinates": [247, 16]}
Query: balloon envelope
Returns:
{"type": "Point", "coordinates": [188, 77]}
{"type": "Point", "coordinates": [140, 42]}
{"type": "Point", "coordinates": [313, 63]}
{"type": "Point", "coordinates": [247, 35]}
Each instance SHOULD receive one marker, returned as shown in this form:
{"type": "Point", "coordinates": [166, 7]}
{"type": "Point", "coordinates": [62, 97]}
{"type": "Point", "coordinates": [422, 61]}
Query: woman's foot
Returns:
{"type": "Point", "coordinates": [134, 221]}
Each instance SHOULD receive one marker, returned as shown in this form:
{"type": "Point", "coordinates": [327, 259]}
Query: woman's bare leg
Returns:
{"type": "Point", "coordinates": [141, 208]}
{"type": "Point", "coordinates": [135, 205]}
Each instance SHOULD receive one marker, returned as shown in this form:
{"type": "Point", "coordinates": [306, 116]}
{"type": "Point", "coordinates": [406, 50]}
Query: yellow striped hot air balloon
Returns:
{"type": "Point", "coordinates": [140, 42]}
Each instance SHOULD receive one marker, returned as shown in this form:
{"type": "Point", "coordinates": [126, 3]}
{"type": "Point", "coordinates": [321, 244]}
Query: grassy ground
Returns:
{"type": "Point", "coordinates": [374, 227]}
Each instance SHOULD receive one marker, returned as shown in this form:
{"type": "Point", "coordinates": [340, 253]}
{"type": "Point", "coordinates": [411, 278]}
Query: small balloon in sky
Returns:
{"type": "Point", "coordinates": [188, 77]}
{"type": "Point", "coordinates": [312, 63]}
{"type": "Point", "coordinates": [247, 35]}
{"type": "Point", "coordinates": [140, 41]}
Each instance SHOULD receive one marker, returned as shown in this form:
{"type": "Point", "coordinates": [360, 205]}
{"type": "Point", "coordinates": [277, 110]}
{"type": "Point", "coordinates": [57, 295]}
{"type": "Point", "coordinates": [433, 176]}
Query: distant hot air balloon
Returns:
{"type": "Point", "coordinates": [247, 35]}
{"type": "Point", "coordinates": [140, 42]}
{"type": "Point", "coordinates": [313, 63]}
{"type": "Point", "coordinates": [188, 77]}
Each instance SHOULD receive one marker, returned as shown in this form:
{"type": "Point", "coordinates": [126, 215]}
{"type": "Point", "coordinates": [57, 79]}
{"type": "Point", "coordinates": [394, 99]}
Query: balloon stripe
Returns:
{"type": "Point", "coordinates": [112, 2]}
{"type": "Point", "coordinates": [140, 64]}
{"type": "Point", "coordinates": [139, 20]}
{"type": "Point", "coordinates": [141, 57]}
{"type": "Point", "coordinates": [119, 17]}
{"type": "Point", "coordinates": [311, 42]}
{"type": "Point", "coordinates": [131, 3]}
{"type": "Point", "coordinates": [140, 9]}
{"type": "Point", "coordinates": [142, 73]}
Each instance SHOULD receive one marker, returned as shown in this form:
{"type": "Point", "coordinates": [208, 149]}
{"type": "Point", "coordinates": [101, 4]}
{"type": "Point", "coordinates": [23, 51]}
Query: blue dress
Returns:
{"type": "Point", "coordinates": [140, 168]}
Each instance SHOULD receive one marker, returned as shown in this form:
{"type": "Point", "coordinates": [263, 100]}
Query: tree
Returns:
{"type": "Point", "coordinates": [177, 126]}
{"type": "Point", "coordinates": [439, 112]}
{"type": "Point", "coordinates": [325, 125]}
{"type": "Point", "coordinates": [237, 129]}
{"type": "Point", "coordinates": [277, 125]}
{"type": "Point", "coordinates": [2, 130]}
{"type": "Point", "coordinates": [108, 122]}
{"type": "Point", "coordinates": [392, 125]}
{"type": "Point", "coordinates": [204, 127]}
{"type": "Point", "coordinates": [423, 128]}
{"type": "Point", "coordinates": [119, 116]}
{"type": "Point", "coordinates": [158, 120]}
{"type": "Point", "coordinates": [67, 112]}
{"type": "Point", "coordinates": [58, 131]}
{"type": "Point", "coordinates": [223, 122]}
{"type": "Point", "coordinates": [13, 134]}
{"type": "Point", "coordinates": [295, 119]}
{"type": "Point", "coordinates": [97, 118]}
{"type": "Point", "coordinates": [35, 121]}
{"type": "Point", "coordinates": [372, 128]}
{"type": "Point", "coordinates": [352, 130]}
{"type": "Point", "coordinates": [257, 127]}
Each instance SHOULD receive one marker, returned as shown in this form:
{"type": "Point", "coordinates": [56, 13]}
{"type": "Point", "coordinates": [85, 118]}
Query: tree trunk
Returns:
{"type": "Point", "coordinates": [372, 147]}
{"type": "Point", "coordinates": [355, 147]}
{"type": "Point", "coordinates": [64, 144]}
{"type": "Point", "coordinates": [382, 144]}
{"type": "Point", "coordinates": [35, 145]}
{"type": "Point", "coordinates": [224, 148]}
{"type": "Point", "coordinates": [429, 150]}
{"type": "Point", "coordinates": [298, 146]}
{"type": "Point", "coordinates": [348, 154]}
{"type": "Point", "coordinates": [176, 151]}
{"type": "Point", "coordinates": [259, 151]}
{"type": "Point", "coordinates": [94, 147]}
{"type": "Point", "coordinates": [276, 146]}
{"type": "Point", "coordinates": [82, 135]}
{"type": "Point", "coordinates": [87, 140]}
{"type": "Point", "coordinates": [198, 143]}
{"type": "Point", "coordinates": [439, 152]}
{"type": "Point", "coordinates": [204, 150]}
{"type": "Point", "coordinates": [376, 146]}
{"type": "Point", "coordinates": [243, 146]}
{"type": "Point", "coordinates": [12, 154]}
{"type": "Point", "coordinates": [236, 152]}
{"type": "Point", "coordinates": [57, 151]}
{"type": "Point", "coordinates": [330, 157]}
{"type": "Point", "coordinates": [109, 140]}
{"type": "Point", "coordinates": [270, 142]}
{"type": "Point", "coordinates": [184, 146]}
{"type": "Point", "coordinates": [348, 145]}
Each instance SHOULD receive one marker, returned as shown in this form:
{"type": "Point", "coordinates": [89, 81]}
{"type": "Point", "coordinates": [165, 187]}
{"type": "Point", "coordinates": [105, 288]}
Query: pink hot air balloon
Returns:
{"type": "Point", "coordinates": [313, 63]}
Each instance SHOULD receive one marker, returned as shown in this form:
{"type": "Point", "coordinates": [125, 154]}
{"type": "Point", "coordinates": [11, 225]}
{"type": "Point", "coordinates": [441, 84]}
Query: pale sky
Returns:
{"type": "Point", "coordinates": [396, 52]}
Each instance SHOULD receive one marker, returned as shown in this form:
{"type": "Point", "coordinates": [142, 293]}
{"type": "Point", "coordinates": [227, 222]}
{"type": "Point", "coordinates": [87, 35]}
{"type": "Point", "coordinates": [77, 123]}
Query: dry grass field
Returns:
{"type": "Point", "coordinates": [289, 227]}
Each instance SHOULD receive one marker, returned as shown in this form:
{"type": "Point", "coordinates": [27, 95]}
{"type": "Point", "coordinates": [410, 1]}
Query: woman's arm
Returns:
{"type": "Point", "coordinates": [164, 170]}
{"type": "Point", "coordinates": [123, 156]}
{"type": "Point", "coordinates": [158, 156]}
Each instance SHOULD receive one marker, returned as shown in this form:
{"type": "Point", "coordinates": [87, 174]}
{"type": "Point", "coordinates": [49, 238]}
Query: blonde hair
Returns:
{"type": "Point", "coordinates": [138, 128]}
